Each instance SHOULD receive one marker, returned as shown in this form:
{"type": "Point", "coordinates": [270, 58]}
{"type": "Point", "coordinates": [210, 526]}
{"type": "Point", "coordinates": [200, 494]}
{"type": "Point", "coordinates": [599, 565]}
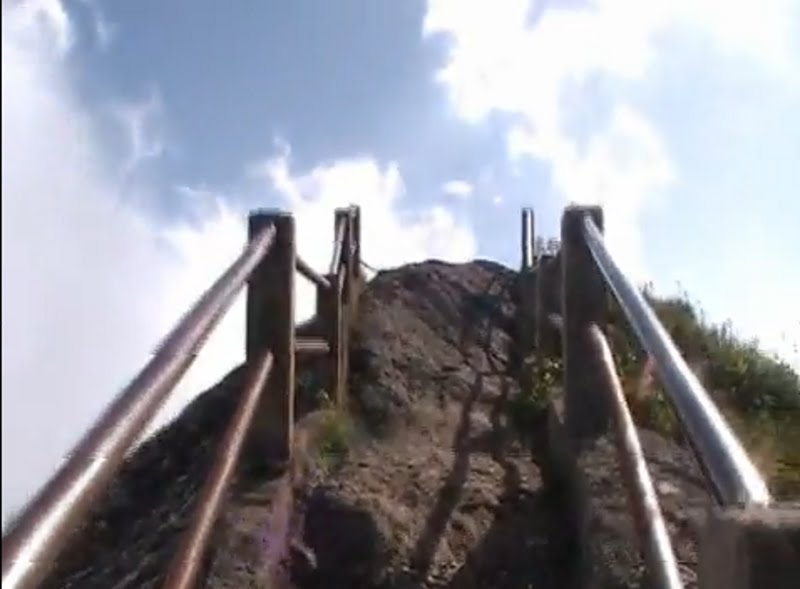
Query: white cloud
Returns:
{"type": "Point", "coordinates": [140, 122]}
{"type": "Point", "coordinates": [104, 31]}
{"type": "Point", "coordinates": [390, 236]}
{"type": "Point", "coordinates": [547, 73]}
{"type": "Point", "coordinates": [42, 24]}
{"type": "Point", "coordinates": [458, 189]}
{"type": "Point", "coordinates": [498, 61]}
{"type": "Point", "coordinates": [623, 168]}
{"type": "Point", "coordinates": [90, 286]}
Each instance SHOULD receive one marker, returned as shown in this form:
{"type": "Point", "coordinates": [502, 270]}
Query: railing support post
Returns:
{"type": "Point", "coordinates": [343, 216]}
{"type": "Point", "coordinates": [525, 319]}
{"type": "Point", "coordinates": [527, 238]}
{"type": "Point", "coordinates": [584, 302]}
{"type": "Point", "coordinates": [750, 548]}
{"type": "Point", "coordinates": [340, 301]}
{"type": "Point", "coordinates": [343, 315]}
{"type": "Point", "coordinates": [357, 273]}
{"type": "Point", "coordinates": [270, 325]}
{"type": "Point", "coordinates": [547, 302]}
{"type": "Point", "coordinates": [329, 313]}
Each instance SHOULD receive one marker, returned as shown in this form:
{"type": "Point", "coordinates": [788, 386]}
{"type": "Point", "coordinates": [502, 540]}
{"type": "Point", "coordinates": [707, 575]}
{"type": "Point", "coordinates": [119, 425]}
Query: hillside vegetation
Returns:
{"type": "Point", "coordinates": [758, 393]}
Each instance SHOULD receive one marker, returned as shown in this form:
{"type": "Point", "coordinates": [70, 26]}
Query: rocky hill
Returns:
{"type": "Point", "coordinates": [433, 486]}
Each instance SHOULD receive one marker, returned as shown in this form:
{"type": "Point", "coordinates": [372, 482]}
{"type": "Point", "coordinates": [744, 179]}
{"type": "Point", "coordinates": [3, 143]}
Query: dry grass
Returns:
{"type": "Point", "coordinates": [773, 442]}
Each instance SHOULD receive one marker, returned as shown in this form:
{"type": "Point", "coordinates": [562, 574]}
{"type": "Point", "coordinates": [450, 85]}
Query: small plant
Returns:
{"type": "Point", "coordinates": [531, 404]}
{"type": "Point", "coordinates": [547, 375]}
{"type": "Point", "coordinates": [656, 413]}
{"type": "Point", "coordinates": [646, 399]}
{"type": "Point", "coordinates": [334, 440]}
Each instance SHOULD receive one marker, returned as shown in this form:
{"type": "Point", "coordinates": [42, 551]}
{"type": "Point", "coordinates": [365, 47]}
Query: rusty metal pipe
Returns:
{"type": "Point", "coordinates": [653, 537]}
{"type": "Point", "coordinates": [311, 274]}
{"type": "Point", "coordinates": [38, 536]}
{"type": "Point", "coordinates": [188, 560]}
{"type": "Point", "coordinates": [311, 345]}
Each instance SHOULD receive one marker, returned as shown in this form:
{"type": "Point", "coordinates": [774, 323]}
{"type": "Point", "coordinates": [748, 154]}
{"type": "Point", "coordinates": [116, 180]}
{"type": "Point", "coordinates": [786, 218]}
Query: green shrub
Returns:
{"type": "Point", "coordinates": [527, 408]}
{"type": "Point", "coordinates": [334, 441]}
{"type": "Point", "coordinates": [758, 393]}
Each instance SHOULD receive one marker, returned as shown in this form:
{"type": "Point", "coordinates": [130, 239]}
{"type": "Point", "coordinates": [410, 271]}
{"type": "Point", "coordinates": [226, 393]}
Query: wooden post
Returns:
{"type": "Point", "coordinates": [329, 313]}
{"type": "Point", "coordinates": [349, 300]}
{"type": "Point", "coordinates": [337, 309]}
{"type": "Point", "coordinates": [584, 301]}
{"type": "Point", "coordinates": [343, 215]}
{"type": "Point", "coordinates": [523, 359]}
{"type": "Point", "coordinates": [342, 358]}
{"type": "Point", "coordinates": [357, 273]}
{"type": "Point", "coordinates": [270, 324]}
{"type": "Point", "coordinates": [349, 258]}
{"type": "Point", "coordinates": [547, 303]}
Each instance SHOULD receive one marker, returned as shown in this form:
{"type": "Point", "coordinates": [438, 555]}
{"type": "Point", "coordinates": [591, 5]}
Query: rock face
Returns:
{"type": "Point", "coordinates": [132, 533]}
{"type": "Point", "coordinates": [447, 495]}
{"type": "Point", "coordinates": [437, 489]}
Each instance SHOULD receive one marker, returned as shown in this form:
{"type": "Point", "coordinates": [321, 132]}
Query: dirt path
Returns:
{"type": "Point", "coordinates": [450, 498]}
{"type": "Point", "coordinates": [454, 503]}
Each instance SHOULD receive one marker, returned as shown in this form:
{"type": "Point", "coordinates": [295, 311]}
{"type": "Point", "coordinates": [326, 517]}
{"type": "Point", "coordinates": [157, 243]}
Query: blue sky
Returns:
{"type": "Point", "coordinates": [136, 135]}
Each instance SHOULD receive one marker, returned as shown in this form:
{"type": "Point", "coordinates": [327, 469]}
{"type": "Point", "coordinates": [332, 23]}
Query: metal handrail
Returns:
{"type": "Point", "coordinates": [44, 527]}
{"type": "Point", "coordinates": [311, 345]}
{"type": "Point", "coordinates": [311, 274]}
{"type": "Point", "coordinates": [338, 243]}
{"type": "Point", "coordinates": [733, 477]}
{"type": "Point", "coordinates": [188, 560]}
{"type": "Point", "coordinates": [657, 552]}
{"type": "Point", "coordinates": [527, 238]}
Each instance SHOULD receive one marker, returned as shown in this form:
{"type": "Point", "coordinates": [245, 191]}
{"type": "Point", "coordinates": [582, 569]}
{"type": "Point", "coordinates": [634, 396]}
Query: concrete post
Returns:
{"type": "Point", "coordinates": [750, 548]}
{"type": "Point", "coordinates": [584, 301]}
{"type": "Point", "coordinates": [270, 325]}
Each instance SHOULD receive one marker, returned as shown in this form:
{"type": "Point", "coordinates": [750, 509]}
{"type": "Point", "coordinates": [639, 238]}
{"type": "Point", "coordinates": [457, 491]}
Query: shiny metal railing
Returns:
{"type": "Point", "coordinates": [733, 476]}
{"type": "Point", "coordinates": [571, 303]}
{"type": "Point", "coordinates": [527, 238]}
